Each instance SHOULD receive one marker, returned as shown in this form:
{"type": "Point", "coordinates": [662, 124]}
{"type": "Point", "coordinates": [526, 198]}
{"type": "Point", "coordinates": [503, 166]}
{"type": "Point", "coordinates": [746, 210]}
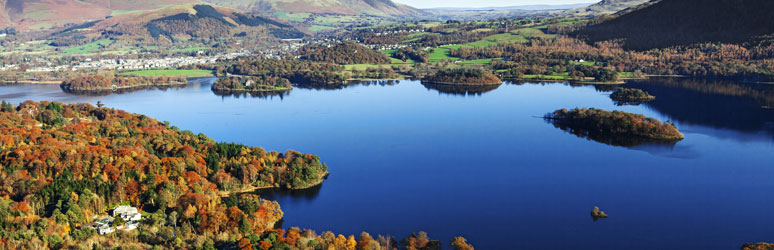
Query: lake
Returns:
{"type": "Point", "coordinates": [482, 164]}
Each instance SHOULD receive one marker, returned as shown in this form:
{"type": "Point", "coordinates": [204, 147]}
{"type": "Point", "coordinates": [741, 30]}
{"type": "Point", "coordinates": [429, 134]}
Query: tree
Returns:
{"type": "Point", "coordinates": [117, 222]}
{"type": "Point", "coordinates": [244, 225]}
{"type": "Point", "coordinates": [173, 218]}
{"type": "Point", "coordinates": [459, 243]}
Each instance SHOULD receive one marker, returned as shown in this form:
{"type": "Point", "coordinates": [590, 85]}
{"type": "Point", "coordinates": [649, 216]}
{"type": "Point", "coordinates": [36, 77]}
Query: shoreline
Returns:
{"type": "Point", "coordinates": [126, 87]}
{"type": "Point", "coordinates": [462, 84]}
{"type": "Point", "coordinates": [256, 188]}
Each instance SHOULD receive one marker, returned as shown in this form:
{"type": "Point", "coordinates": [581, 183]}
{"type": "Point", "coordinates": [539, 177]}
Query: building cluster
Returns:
{"type": "Point", "coordinates": [138, 64]}
{"type": "Point", "coordinates": [107, 224]}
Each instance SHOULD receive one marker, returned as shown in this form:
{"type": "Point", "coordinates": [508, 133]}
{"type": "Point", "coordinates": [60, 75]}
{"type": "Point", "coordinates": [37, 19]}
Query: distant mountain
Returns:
{"type": "Point", "coordinates": [536, 7]}
{"type": "Point", "coordinates": [344, 7]}
{"type": "Point", "coordinates": [683, 22]}
{"type": "Point", "coordinates": [176, 23]}
{"type": "Point", "coordinates": [605, 7]}
{"type": "Point", "coordinates": [44, 14]}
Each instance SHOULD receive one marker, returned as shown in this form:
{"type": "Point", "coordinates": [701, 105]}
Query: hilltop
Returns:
{"type": "Point", "coordinates": [685, 22]}
{"type": "Point", "coordinates": [605, 7]}
{"type": "Point", "coordinates": [175, 23]}
{"type": "Point", "coordinates": [343, 7]}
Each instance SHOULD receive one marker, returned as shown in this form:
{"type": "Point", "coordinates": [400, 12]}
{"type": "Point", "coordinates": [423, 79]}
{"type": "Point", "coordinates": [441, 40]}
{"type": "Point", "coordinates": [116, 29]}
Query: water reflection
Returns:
{"type": "Point", "coordinates": [348, 85]}
{"type": "Point", "coordinates": [278, 194]}
{"type": "Point", "coordinates": [621, 141]}
{"type": "Point", "coordinates": [460, 90]}
{"type": "Point", "coordinates": [120, 91]}
{"type": "Point", "coordinates": [248, 94]}
{"type": "Point", "coordinates": [744, 107]}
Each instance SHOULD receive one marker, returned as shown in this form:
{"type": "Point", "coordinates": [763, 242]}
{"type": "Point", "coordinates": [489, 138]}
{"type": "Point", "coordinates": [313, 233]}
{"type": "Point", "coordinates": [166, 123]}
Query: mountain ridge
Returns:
{"type": "Point", "coordinates": [684, 22]}
{"type": "Point", "coordinates": [605, 7]}
{"type": "Point", "coordinates": [42, 15]}
{"type": "Point", "coordinates": [344, 7]}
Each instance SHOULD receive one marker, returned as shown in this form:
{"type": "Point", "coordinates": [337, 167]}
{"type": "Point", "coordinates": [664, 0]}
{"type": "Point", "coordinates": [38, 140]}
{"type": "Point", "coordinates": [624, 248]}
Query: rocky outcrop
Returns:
{"type": "Point", "coordinates": [598, 214]}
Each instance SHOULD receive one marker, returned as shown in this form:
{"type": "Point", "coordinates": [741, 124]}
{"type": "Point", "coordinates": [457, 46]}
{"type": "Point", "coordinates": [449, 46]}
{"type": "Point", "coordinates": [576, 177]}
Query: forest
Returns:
{"type": "Point", "coordinates": [601, 123]}
{"type": "Point", "coordinates": [103, 83]}
{"type": "Point", "coordinates": [62, 164]}
{"type": "Point", "coordinates": [628, 96]}
{"type": "Point", "coordinates": [263, 83]}
{"type": "Point", "coordinates": [463, 76]}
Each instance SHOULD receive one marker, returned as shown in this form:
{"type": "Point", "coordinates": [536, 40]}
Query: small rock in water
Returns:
{"type": "Point", "coordinates": [596, 213]}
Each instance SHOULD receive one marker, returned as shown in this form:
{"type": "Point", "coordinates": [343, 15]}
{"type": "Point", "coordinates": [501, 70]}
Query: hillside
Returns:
{"type": "Point", "coordinates": [176, 23]}
{"type": "Point", "coordinates": [684, 22]}
{"type": "Point", "coordinates": [32, 15]}
{"type": "Point", "coordinates": [605, 7]}
{"type": "Point", "coordinates": [344, 7]}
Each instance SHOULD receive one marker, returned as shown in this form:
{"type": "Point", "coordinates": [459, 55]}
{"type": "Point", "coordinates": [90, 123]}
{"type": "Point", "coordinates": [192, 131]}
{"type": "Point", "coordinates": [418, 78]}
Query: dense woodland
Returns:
{"type": "Point", "coordinates": [263, 83]}
{"type": "Point", "coordinates": [463, 76]}
{"type": "Point", "coordinates": [342, 53]}
{"type": "Point", "coordinates": [601, 123]}
{"type": "Point", "coordinates": [101, 83]}
{"type": "Point", "coordinates": [62, 164]}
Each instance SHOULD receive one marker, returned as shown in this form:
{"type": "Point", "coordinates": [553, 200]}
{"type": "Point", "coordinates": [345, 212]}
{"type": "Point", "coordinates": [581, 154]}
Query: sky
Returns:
{"type": "Point", "coordinates": [484, 3]}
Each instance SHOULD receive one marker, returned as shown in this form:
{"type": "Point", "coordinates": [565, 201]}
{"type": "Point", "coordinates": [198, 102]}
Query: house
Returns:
{"type": "Point", "coordinates": [102, 225]}
{"type": "Point", "coordinates": [128, 213]}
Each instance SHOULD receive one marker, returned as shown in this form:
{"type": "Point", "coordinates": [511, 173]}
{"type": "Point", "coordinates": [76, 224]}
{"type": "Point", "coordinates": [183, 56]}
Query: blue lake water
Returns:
{"type": "Point", "coordinates": [405, 158]}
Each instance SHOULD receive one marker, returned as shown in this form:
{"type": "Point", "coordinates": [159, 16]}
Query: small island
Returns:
{"type": "Point", "coordinates": [87, 84]}
{"type": "Point", "coordinates": [472, 77]}
{"type": "Point", "coordinates": [614, 126]}
{"type": "Point", "coordinates": [263, 83]}
{"type": "Point", "coordinates": [626, 96]}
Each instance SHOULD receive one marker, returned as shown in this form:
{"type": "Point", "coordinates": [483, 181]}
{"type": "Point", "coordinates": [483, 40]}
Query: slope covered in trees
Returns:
{"type": "Point", "coordinates": [64, 163]}
{"type": "Point", "coordinates": [684, 22]}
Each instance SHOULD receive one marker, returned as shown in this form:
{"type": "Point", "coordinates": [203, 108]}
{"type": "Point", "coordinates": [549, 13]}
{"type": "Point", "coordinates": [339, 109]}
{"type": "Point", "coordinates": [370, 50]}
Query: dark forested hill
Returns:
{"type": "Point", "coordinates": [683, 22]}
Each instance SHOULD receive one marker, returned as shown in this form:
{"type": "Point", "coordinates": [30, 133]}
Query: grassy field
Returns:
{"type": "Point", "coordinates": [89, 47]}
{"type": "Point", "coordinates": [295, 17]}
{"type": "Point", "coordinates": [442, 53]}
{"type": "Point", "coordinates": [350, 67]}
{"type": "Point", "coordinates": [191, 49]}
{"type": "Point", "coordinates": [389, 52]}
{"type": "Point", "coordinates": [562, 76]}
{"type": "Point", "coordinates": [587, 63]}
{"type": "Point", "coordinates": [479, 61]}
{"type": "Point", "coordinates": [171, 72]}
{"type": "Point", "coordinates": [320, 28]}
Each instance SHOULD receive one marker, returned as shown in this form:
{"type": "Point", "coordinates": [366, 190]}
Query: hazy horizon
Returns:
{"type": "Point", "coordinates": [486, 3]}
